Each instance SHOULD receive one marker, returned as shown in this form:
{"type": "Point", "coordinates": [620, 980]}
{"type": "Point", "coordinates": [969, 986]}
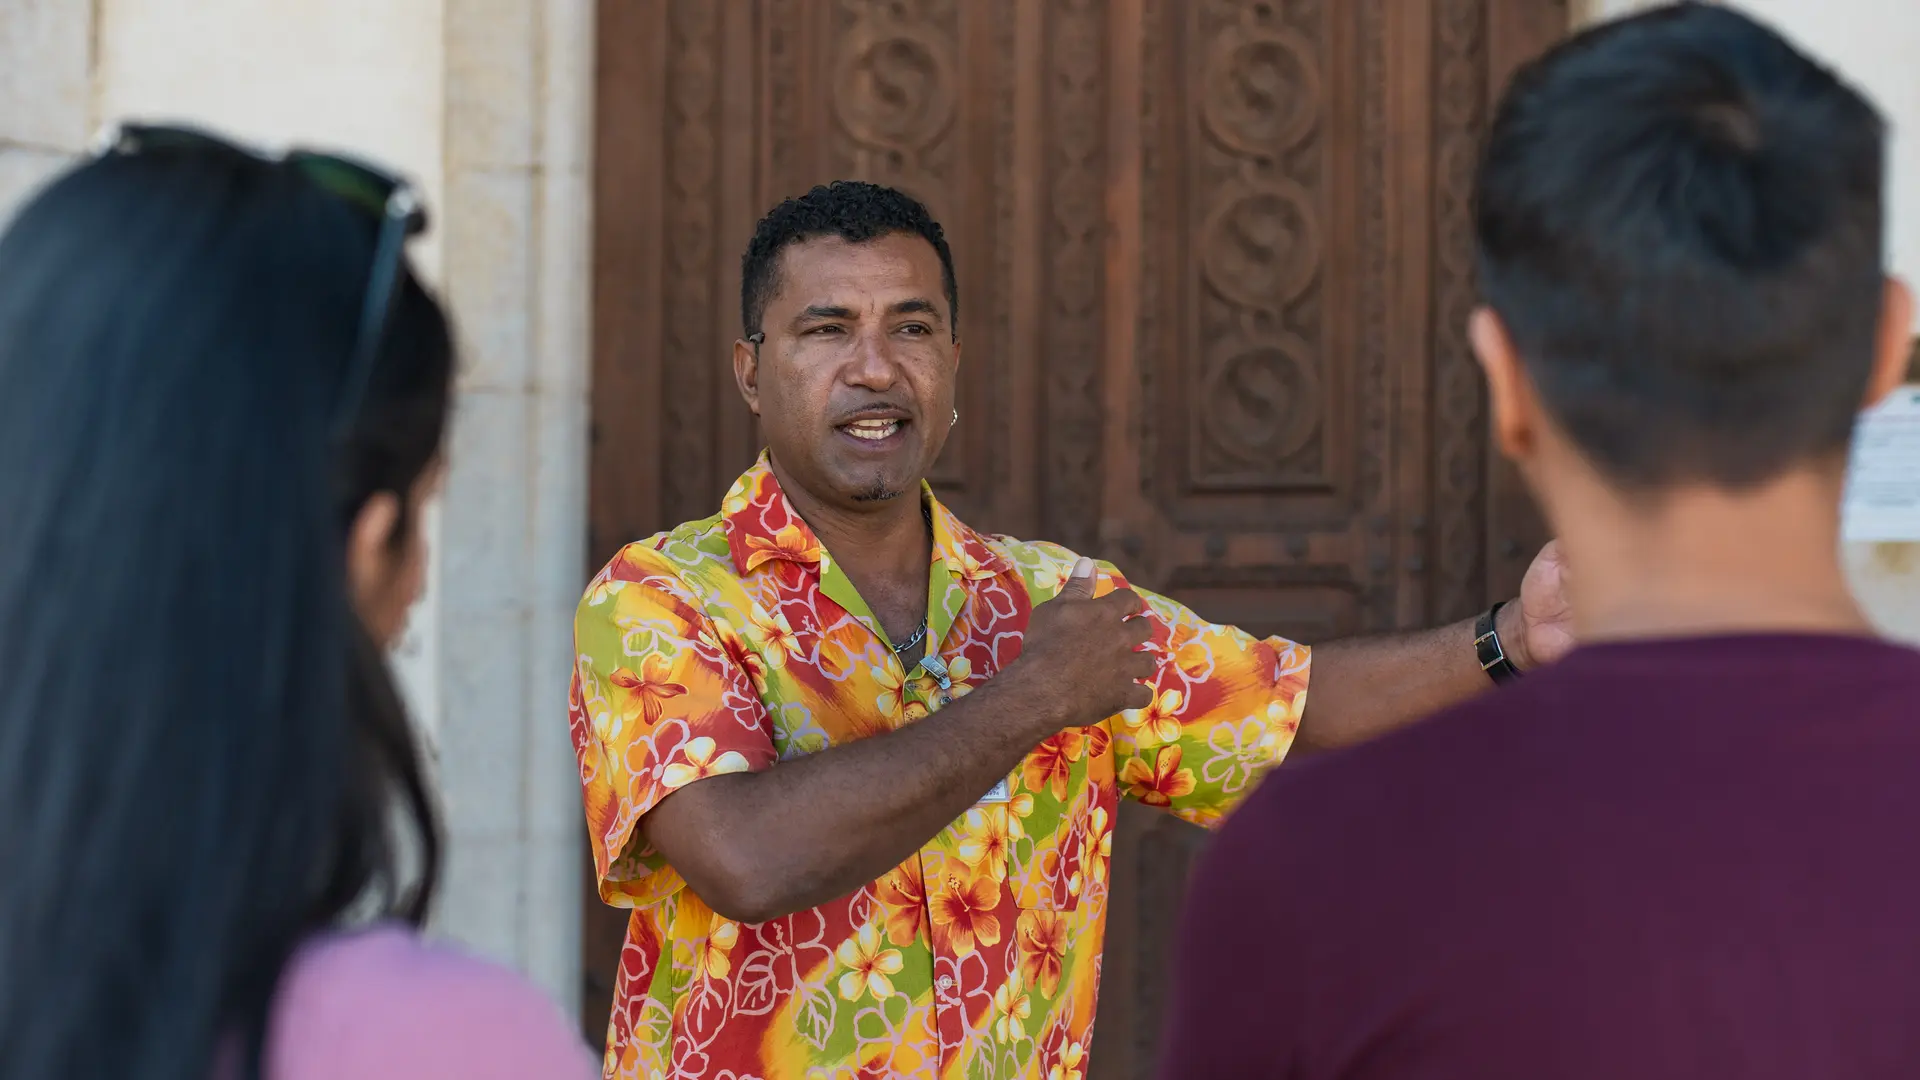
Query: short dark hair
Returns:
{"type": "Point", "coordinates": [854, 211]}
{"type": "Point", "coordinates": [1679, 221]}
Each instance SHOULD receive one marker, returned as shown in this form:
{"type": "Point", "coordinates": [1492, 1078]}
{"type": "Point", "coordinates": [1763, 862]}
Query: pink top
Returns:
{"type": "Point", "coordinates": [381, 1004]}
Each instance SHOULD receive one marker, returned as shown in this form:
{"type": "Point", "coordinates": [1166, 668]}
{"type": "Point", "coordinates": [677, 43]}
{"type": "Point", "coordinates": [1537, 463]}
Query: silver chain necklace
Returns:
{"type": "Point", "coordinates": [902, 646]}
{"type": "Point", "coordinates": [919, 635]}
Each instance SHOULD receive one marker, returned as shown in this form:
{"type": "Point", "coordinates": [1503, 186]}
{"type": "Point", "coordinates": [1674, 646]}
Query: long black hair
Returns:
{"type": "Point", "coordinates": [203, 759]}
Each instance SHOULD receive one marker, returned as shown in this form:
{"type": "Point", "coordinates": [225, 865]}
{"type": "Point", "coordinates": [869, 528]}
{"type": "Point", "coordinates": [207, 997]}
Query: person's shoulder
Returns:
{"type": "Point", "coordinates": [686, 564]}
{"type": "Point", "coordinates": [1045, 565]}
{"type": "Point", "coordinates": [384, 1003]}
{"type": "Point", "coordinates": [1028, 554]}
{"type": "Point", "coordinates": [688, 546]}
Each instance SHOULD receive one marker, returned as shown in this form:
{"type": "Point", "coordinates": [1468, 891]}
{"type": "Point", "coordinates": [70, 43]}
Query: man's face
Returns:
{"type": "Point", "coordinates": [854, 382]}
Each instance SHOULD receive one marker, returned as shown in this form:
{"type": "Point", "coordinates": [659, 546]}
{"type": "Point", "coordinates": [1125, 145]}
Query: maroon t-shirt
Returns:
{"type": "Point", "coordinates": [1695, 859]}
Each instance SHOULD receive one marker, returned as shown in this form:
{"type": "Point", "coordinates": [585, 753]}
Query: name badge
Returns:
{"type": "Point", "coordinates": [999, 793]}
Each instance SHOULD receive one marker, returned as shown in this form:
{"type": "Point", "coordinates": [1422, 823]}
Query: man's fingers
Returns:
{"type": "Point", "coordinates": [1142, 666]}
{"type": "Point", "coordinates": [1079, 584]}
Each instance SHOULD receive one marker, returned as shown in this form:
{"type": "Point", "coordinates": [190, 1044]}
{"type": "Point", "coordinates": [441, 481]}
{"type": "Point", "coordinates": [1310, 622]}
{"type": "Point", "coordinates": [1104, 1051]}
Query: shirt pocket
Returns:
{"type": "Point", "coordinates": [1048, 823]}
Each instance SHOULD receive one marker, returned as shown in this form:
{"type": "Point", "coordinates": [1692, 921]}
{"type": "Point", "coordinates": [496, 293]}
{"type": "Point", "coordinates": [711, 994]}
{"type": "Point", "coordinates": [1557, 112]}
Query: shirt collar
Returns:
{"type": "Point", "coordinates": [762, 527]}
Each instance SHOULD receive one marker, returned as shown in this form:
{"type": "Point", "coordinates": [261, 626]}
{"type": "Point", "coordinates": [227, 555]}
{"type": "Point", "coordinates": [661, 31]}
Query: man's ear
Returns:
{"type": "Point", "coordinates": [746, 373]}
{"type": "Point", "coordinates": [1893, 347]}
{"type": "Point", "coordinates": [1513, 408]}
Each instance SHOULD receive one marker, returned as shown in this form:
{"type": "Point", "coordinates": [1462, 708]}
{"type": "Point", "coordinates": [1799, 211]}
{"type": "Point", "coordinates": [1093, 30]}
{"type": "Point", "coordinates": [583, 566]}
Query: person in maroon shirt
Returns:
{"type": "Point", "coordinates": [1687, 850]}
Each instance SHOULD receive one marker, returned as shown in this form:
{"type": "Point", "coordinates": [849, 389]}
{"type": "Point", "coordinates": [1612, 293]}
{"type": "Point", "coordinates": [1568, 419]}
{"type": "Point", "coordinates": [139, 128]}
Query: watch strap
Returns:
{"type": "Point", "coordinates": [1487, 648]}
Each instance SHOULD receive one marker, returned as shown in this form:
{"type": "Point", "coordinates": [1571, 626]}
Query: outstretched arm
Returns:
{"type": "Point", "coordinates": [1363, 687]}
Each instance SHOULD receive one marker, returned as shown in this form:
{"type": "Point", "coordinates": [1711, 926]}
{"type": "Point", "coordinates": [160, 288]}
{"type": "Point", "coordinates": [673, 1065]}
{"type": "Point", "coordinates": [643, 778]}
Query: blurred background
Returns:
{"type": "Point", "coordinates": [1214, 267]}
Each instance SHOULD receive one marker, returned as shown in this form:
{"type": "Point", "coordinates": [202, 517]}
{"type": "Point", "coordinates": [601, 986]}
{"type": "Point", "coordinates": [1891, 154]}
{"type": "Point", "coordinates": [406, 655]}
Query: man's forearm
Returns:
{"type": "Point", "coordinates": [756, 846]}
{"type": "Point", "coordinates": [1363, 687]}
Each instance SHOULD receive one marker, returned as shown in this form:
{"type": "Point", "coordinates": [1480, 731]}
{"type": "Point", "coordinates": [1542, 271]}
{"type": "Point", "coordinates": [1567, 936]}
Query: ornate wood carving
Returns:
{"type": "Point", "coordinates": [690, 367]}
{"type": "Point", "coordinates": [1459, 451]}
{"type": "Point", "coordinates": [894, 85]}
{"type": "Point", "coordinates": [1254, 157]}
{"type": "Point", "coordinates": [1373, 497]}
{"type": "Point", "coordinates": [1074, 252]}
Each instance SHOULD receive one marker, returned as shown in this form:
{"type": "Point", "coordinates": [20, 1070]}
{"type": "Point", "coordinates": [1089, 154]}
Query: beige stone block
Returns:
{"type": "Point", "coordinates": [550, 930]}
{"type": "Point", "coordinates": [45, 77]}
{"type": "Point", "coordinates": [564, 280]}
{"type": "Point", "coordinates": [482, 890]}
{"type": "Point", "coordinates": [483, 671]}
{"type": "Point", "coordinates": [23, 172]}
{"type": "Point", "coordinates": [492, 96]}
{"type": "Point", "coordinates": [556, 471]}
{"type": "Point", "coordinates": [487, 274]}
{"type": "Point", "coordinates": [483, 516]}
{"type": "Point", "coordinates": [567, 87]}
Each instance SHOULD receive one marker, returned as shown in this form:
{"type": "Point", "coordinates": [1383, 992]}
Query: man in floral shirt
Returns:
{"type": "Point", "coordinates": [827, 881]}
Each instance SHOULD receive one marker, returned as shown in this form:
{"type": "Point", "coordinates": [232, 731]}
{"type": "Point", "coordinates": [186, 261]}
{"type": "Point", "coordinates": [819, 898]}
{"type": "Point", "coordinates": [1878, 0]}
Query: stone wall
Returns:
{"type": "Point", "coordinates": [487, 104]}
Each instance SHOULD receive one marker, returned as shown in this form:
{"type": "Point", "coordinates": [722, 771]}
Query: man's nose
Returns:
{"type": "Point", "coordinates": [873, 365]}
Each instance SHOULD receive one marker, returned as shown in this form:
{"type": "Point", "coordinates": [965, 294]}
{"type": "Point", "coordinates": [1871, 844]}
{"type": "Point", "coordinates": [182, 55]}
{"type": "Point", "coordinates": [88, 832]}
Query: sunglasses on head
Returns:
{"type": "Point", "coordinates": [388, 199]}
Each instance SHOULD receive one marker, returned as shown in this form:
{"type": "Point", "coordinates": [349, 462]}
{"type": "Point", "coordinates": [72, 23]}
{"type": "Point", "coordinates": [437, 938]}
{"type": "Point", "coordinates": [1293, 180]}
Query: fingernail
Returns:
{"type": "Point", "coordinates": [1083, 567]}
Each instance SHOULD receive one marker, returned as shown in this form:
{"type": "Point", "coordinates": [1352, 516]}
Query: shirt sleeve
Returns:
{"type": "Point", "coordinates": [1225, 709]}
{"type": "Point", "coordinates": [658, 702]}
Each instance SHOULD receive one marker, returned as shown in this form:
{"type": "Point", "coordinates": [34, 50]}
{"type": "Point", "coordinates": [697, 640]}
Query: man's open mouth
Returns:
{"type": "Point", "coordinates": [874, 431]}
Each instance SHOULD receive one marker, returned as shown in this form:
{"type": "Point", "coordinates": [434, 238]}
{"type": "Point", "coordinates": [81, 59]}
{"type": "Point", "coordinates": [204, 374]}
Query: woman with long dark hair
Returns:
{"type": "Point", "coordinates": [222, 400]}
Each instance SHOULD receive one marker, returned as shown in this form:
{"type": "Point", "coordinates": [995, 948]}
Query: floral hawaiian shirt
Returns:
{"type": "Point", "coordinates": [734, 643]}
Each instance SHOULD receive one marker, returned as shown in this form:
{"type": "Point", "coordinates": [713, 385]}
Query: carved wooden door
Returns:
{"type": "Point", "coordinates": [1213, 260]}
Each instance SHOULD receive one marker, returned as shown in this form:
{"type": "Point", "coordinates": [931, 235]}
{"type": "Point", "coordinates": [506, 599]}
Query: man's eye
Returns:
{"type": "Point", "coordinates": [822, 331]}
{"type": "Point", "coordinates": [916, 329]}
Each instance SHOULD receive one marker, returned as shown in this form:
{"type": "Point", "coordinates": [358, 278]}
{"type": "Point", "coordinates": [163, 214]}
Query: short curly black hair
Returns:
{"type": "Point", "coordinates": [854, 211]}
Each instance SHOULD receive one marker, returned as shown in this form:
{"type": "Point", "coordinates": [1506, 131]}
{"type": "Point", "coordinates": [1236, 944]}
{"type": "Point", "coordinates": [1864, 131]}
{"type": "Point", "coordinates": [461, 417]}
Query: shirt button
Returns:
{"type": "Point", "coordinates": [944, 982]}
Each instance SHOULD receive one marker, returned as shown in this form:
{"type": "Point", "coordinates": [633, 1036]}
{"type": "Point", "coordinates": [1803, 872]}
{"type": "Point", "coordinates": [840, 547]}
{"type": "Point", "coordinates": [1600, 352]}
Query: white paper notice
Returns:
{"type": "Point", "coordinates": [1883, 477]}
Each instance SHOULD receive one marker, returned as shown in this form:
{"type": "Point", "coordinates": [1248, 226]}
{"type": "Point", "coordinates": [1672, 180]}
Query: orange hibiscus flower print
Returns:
{"type": "Point", "coordinates": [715, 958]}
{"type": "Point", "coordinates": [773, 636]}
{"type": "Point", "coordinates": [1019, 808]}
{"type": "Point", "coordinates": [1043, 948]}
{"type": "Point", "coordinates": [892, 698]}
{"type": "Point", "coordinates": [1161, 717]}
{"type": "Point", "coordinates": [740, 654]}
{"type": "Point", "coordinates": [906, 903]}
{"type": "Point", "coordinates": [648, 692]}
{"type": "Point", "coordinates": [700, 763]}
{"type": "Point", "coordinates": [1285, 716]}
{"type": "Point", "coordinates": [1071, 1065]}
{"type": "Point", "coordinates": [1051, 576]}
{"type": "Point", "coordinates": [1011, 1008]}
{"type": "Point", "coordinates": [1096, 849]}
{"type": "Point", "coordinates": [868, 964]}
{"type": "Point", "coordinates": [984, 843]}
{"type": "Point", "coordinates": [1051, 763]}
{"type": "Point", "coordinates": [791, 542]}
{"type": "Point", "coordinates": [1159, 785]}
{"type": "Point", "coordinates": [1188, 648]}
{"type": "Point", "coordinates": [963, 913]}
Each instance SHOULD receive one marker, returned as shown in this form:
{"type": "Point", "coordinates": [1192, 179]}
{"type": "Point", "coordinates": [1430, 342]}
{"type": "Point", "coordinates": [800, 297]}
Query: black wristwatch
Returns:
{"type": "Point", "coordinates": [1486, 647]}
